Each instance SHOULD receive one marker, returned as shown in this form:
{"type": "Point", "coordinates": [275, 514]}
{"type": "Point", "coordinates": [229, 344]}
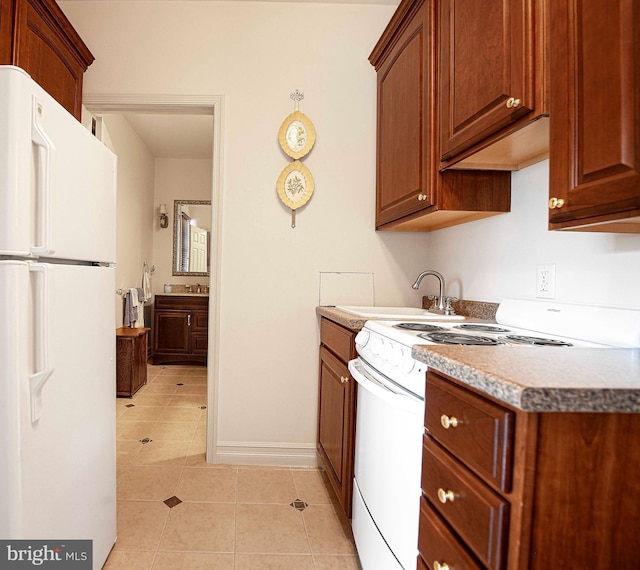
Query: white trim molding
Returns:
{"type": "Point", "coordinates": [188, 105]}
{"type": "Point", "coordinates": [279, 454]}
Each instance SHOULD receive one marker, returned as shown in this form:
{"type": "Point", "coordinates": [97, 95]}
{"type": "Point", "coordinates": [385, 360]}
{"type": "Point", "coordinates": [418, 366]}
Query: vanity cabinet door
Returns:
{"type": "Point", "coordinates": [172, 332]}
{"type": "Point", "coordinates": [181, 329]}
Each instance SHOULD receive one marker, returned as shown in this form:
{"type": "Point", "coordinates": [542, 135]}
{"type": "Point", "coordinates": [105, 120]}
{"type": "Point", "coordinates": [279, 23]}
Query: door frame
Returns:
{"type": "Point", "coordinates": [189, 105]}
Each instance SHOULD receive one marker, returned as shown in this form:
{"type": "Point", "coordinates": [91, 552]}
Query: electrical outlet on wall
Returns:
{"type": "Point", "coordinates": [546, 281]}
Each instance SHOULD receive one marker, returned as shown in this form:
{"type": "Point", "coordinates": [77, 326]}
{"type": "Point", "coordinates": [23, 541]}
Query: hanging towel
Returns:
{"type": "Point", "coordinates": [134, 308]}
{"type": "Point", "coordinates": [130, 308]}
{"type": "Point", "coordinates": [146, 283]}
{"type": "Point", "coordinates": [140, 320]}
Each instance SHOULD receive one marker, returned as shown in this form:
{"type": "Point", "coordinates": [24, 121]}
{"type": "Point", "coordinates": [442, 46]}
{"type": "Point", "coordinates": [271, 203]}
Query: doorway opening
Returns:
{"type": "Point", "coordinates": [188, 112]}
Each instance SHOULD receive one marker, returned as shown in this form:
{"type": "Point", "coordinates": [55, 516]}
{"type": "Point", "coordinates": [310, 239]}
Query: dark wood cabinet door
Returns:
{"type": "Point", "coordinates": [487, 73]}
{"type": "Point", "coordinates": [595, 109]}
{"type": "Point", "coordinates": [172, 332]}
{"type": "Point", "coordinates": [47, 47]}
{"type": "Point", "coordinates": [335, 419]}
{"type": "Point", "coordinates": [6, 30]}
{"type": "Point", "coordinates": [405, 166]}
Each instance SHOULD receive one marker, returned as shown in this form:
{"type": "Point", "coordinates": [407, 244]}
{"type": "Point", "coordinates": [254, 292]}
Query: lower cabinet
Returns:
{"type": "Point", "coordinates": [507, 489]}
{"type": "Point", "coordinates": [336, 409]}
{"type": "Point", "coordinates": [180, 329]}
{"type": "Point", "coordinates": [131, 360]}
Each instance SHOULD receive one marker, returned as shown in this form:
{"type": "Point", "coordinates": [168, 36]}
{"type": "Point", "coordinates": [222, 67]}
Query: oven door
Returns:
{"type": "Point", "coordinates": [388, 456]}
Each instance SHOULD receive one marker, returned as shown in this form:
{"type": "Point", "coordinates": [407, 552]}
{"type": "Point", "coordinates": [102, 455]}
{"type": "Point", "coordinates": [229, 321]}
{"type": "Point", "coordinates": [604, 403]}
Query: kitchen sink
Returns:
{"type": "Point", "coordinates": [404, 313]}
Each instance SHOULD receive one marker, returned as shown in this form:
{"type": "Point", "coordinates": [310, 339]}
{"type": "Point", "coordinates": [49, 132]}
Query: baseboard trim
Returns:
{"type": "Point", "coordinates": [263, 453]}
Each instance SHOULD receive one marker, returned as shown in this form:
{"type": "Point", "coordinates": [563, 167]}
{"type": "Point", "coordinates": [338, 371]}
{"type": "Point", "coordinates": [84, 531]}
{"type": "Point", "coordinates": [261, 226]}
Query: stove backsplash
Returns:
{"type": "Point", "coordinates": [473, 309]}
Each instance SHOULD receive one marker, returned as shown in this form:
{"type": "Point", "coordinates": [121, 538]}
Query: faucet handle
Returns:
{"type": "Point", "coordinates": [434, 301]}
{"type": "Point", "coordinates": [449, 310]}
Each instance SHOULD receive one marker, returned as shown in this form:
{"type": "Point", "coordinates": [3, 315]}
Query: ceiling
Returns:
{"type": "Point", "coordinates": [174, 136]}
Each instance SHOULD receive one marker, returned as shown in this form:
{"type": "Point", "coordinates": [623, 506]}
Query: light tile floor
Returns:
{"type": "Point", "coordinates": [228, 517]}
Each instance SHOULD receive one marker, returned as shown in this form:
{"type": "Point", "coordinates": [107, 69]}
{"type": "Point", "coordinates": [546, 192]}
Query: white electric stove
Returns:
{"type": "Point", "coordinates": [390, 414]}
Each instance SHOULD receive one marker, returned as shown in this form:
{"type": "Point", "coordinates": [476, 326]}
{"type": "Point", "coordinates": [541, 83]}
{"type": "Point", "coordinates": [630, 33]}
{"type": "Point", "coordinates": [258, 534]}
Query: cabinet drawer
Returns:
{"type": "Point", "coordinates": [337, 339]}
{"type": "Point", "coordinates": [182, 302]}
{"type": "Point", "coordinates": [479, 515]}
{"type": "Point", "coordinates": [437, 543]}
{"type": "Point", "coordinates": [479, 433]}
{"type": "Point", "coordinates": [199, 321]}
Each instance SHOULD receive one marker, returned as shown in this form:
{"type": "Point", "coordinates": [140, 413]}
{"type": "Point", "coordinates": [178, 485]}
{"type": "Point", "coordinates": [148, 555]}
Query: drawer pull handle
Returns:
{"type": "Point", "coordinates": [444, 496]}
{"type": "Point", "coordinates": [448, 421]}
{"type": "Point", "coordinates": [440, 565]}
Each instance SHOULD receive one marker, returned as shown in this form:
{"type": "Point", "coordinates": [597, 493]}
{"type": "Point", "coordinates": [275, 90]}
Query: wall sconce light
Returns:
{"type": "Point", "coordinates": [164, 219]}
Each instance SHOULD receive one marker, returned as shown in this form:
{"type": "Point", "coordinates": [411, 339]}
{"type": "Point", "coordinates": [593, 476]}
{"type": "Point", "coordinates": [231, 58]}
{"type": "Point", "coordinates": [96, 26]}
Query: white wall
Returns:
{"type": "Point", "coordinates": [176, 179]}
{"type": "Point", "coordinates": [134, 236]}
{"type": "Point", "coordinates": [254, 54]}
{"type": "Point", "coordinates": [495, 258]}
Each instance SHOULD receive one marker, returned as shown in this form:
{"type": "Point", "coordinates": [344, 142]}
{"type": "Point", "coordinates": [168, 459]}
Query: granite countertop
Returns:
{"type": "Point", "coordinates": [544, 379]}
{"type": "Point", "coordinates": [343, 318]}
{"type": "Point", "coordinates": [183, 294]}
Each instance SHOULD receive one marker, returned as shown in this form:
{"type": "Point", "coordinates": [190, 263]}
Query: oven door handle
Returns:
{"type": "Point", "coordinates": [398, 399]}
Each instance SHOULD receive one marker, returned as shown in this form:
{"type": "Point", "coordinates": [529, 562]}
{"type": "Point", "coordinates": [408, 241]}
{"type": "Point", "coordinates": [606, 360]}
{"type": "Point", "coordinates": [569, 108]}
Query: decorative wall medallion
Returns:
{"type": "Point", "coordinates": [297, 135]}
{"type": "Point", "coordinates": [295, 185]}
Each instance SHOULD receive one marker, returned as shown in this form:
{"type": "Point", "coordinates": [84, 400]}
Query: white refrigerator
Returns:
{"type": "Point", "coordinates": [57, 324]}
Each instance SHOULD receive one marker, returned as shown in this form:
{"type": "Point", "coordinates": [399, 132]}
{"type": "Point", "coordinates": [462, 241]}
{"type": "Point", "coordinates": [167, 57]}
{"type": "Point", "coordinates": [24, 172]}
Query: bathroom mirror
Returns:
{"type": "Point", "coordinates": [191, 237]}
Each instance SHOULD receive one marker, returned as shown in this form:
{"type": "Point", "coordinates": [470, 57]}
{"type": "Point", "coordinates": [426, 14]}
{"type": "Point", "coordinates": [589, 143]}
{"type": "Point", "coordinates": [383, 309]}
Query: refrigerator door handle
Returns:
{"type": "Point", "coordinates": [43, 181]}
{"type": "Point", "coordinates": [41, 338]}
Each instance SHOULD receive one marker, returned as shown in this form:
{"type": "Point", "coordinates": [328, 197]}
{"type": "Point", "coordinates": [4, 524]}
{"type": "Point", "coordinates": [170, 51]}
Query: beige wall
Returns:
{"type": "Point", "coordinates": [495, 258]}
{"type": "Point", "coordinates": [176, 179]}
{"type": "Point", "coordinates": [254, 54]}
{"type": "Point", "coordinates": [134, 237]}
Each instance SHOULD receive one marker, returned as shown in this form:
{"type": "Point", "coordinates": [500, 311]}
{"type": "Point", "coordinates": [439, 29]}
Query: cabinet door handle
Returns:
{"type": "Point", "coordinates": [188, 320]}
{"type": "Point", "coordinates": [344, 380]}
{"type": "Point", "coordinates": [444, 496]}
{"type": "Point", "coordinates": [440, 565]}
{"type": "Point", "coordinates": [556, 203]}
{"type": "Point", "coordinates": [448, 421]}
{"type": "Point", "coordinates": [512, 103]}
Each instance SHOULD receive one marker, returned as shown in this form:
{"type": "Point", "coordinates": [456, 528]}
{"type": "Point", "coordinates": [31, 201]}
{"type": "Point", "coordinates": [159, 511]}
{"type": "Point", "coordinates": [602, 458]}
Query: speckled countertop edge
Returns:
{"type": "Point", "coordinates": [473, 309]}
{"type": "Point", "coordinates": [557, 395]}
{"type": "Point", "coordinates": [343, 318]}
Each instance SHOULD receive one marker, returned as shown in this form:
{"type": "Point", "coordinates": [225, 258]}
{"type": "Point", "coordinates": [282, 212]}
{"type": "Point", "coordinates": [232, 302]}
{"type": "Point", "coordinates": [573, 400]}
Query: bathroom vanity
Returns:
{"type": "Point", "coordinates": [180, 329]}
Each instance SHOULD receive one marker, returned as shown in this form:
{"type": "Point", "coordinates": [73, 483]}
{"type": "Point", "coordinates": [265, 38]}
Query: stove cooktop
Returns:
{"type": "Point", "coordinates": [469, 334]}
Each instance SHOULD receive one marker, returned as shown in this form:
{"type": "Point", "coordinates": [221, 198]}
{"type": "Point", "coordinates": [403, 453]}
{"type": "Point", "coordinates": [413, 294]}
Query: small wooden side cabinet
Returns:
{"type": "Point", "coordinates": [131, 360]}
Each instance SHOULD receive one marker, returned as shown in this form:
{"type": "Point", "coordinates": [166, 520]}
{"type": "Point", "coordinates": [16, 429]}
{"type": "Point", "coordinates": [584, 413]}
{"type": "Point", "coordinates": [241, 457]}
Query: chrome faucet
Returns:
{"type": "Point", "coordinates": [441, 303]}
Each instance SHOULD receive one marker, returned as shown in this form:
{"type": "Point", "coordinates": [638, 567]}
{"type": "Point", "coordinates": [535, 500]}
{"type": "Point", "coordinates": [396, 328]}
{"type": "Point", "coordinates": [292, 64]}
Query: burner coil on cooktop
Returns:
{"type": "Point", "coordinates": [458, 338]}
{"type": "Point", "coordinates": [481, 328]}
{"type": "Point", "coordinates": [423, 327]}
{"type": "Point", "coordinates": [534, 340]}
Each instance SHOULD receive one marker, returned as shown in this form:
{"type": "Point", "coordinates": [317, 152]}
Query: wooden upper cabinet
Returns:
{"type": "Point", "coordinates": [411, 194]}
{"type": "Point", "coordinates": [405, 169]}
{"type": "Point", "coordinates": [595, 105]}
{"type": "Point", "coordinates": [36, 36]}
{"type": "Point", "coordinates": [492, 83]}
